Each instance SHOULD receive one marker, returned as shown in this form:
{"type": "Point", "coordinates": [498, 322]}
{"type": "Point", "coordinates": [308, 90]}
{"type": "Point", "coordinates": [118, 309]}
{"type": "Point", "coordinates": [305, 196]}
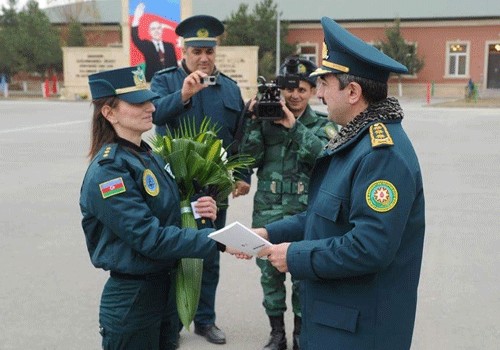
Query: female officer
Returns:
{"type": "Point", "coordinates": [131, 216]}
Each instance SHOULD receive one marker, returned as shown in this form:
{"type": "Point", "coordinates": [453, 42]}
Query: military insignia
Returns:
{"type": "Point", "coordinates": [150, 183]}
{"type": "Point", "coordinates": [330, 131]}
{"type": "Point", "coordinates": [301, 69]}
{"type": "Point", "coordinates": [105, 154]}
{"type": "Point", "coordinates": [380, 136]}
{"type": "Point", "coordinates": [325, 51]}
{"type": "Point", "coordinates": [202, 33]}
{"type": "Point", "coordinates": [139, 78]}
{"type": "Point", "coordinates": [168, 169]}
{"type": "Point", "coordinates": [112, 187]}
{"type": "Point", "coordinates": [381, 196]}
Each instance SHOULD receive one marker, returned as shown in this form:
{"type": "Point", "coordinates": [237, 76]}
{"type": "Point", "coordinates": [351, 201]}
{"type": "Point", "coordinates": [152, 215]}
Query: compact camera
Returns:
{"type": "Point", "coordinates": [209, 80]}
{"type": "Point", "coordinates": [268, 105]}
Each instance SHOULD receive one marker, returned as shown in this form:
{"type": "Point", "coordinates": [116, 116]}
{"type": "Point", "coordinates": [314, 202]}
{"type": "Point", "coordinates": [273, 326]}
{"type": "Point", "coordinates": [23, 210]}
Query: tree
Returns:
{"type": "Point", "coordinates": [258, 29]}
{"type": "Point", "coordinates": [28, 40]}
{"type": "Point", "coordinates": [397, 48]}
{"type": "Point", "coordinates": [75, 34]}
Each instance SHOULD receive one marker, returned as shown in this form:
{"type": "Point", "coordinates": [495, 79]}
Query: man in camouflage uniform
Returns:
{"type": "Point", "coordinates": [285, 151]}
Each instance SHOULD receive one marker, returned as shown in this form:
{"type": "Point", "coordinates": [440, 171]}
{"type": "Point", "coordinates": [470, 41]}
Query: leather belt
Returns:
{"type": "Point", "coordinates": [282, 187]}
{"type": "Point", "coordinates": [145, 277]}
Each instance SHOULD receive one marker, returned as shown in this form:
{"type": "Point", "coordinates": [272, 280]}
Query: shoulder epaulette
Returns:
{"type": "Point", "coordinates": [234, 81]}
{"type": "Point", "coordinates": [107, 154]}
{"type": "Point", "coordinates": [166, 70]}
{"type": "Point", "coordinates": [380, 136]}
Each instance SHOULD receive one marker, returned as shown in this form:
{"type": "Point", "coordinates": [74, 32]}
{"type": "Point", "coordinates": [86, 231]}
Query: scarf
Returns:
{"type": "Point", "coordinates": [385, 110]}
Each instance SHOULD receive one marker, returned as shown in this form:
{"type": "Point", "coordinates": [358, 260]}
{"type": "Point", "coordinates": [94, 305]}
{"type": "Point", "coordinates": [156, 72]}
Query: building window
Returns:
{"type": "Point", "coordinates": [308, 51]}
{"type": "Point", "coordinates": [457, 63]}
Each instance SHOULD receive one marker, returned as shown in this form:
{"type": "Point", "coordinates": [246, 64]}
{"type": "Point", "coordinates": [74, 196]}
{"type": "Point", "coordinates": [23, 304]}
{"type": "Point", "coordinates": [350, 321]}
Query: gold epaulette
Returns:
{"type": "Point", "coordinates": [380, 136]}
{"type": "Point", "coordinates": [107, 154]}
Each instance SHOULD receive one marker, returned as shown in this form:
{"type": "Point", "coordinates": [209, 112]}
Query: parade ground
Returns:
{"type": "Point", "coordinates": [49, 291]}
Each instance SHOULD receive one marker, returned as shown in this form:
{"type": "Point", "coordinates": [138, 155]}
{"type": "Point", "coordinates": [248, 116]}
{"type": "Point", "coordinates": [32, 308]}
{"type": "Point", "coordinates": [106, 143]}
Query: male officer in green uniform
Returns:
{"type": "Point", "coordinates": [357, 250]}
{"type": "Point", "coordinates": [285, 151]}
{"type": "Point", "coordinates": [184, 94]}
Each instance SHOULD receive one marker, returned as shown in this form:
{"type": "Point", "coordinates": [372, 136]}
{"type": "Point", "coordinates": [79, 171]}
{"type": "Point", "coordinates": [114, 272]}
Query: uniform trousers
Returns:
{"type": "Point", "coordinates": [139, 314]}
{"type": "Point", "coordinates": [274, 288]}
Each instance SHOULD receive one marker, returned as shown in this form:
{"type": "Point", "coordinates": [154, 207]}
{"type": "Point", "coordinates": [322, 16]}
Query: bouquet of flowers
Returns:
{"type": "Point", "coordinates": [201, 166]}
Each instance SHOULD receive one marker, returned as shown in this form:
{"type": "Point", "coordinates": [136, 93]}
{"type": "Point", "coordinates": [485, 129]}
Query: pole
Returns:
{"type": "Point", "coordinates": [278, 42]}
{"type": "Point", "coordinates": [428, 93]}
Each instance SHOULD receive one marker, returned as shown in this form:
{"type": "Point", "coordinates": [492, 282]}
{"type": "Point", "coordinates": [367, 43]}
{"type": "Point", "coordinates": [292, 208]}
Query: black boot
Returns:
{"type": "Point", "coordinates": [297, 325]}
{"type": "Point", "coordinates": [277, 340]}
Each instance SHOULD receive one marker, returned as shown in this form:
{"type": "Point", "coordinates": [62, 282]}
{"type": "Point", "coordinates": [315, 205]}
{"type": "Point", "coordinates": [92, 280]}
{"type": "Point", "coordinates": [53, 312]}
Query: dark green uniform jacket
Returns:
{"type": "Point", "coordinates": [358, 248]}
{"type": "Point", "coordinates": [284, 158]}
{"type": "Point", "coordinates": [131, 214]}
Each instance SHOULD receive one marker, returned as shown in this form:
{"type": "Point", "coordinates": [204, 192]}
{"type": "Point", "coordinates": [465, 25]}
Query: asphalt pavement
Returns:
{"type": "Point", "coordinates": [49, 291]}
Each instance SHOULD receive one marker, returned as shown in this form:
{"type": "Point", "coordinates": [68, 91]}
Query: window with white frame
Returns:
{"type": "Point", "coordinates": [457, 61]}
{"type": "Point", "coordinates": [308, 51]}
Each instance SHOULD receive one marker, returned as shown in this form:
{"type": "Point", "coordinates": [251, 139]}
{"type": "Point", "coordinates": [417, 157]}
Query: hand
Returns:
{"type": "Point", "coordinates": [241, 188]}
{"type": "Point", "coordinates": [206, 207]}
{"type": "Point", "coordinates": [238, 254]}
{"type": "Point", "coordinates": [276, 254]}
{"type": "Point", "coordinates": [192, 84]}
{"type": "Point", "coordinates": [288, 120]}
{"type": "Point", "coordinates": [138, 13]}
{"type": "Point", "coordinates": [261, 232]}
{"type": "Point", "coordinates": [251, 108]}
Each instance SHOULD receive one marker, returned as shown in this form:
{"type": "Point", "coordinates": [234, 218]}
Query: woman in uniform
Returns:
{"type": "Point", "coordinates": [131, 217]}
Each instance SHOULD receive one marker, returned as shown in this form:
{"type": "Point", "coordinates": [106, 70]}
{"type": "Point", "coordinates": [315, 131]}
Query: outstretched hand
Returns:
{"type": "Point", "coordinates": [276, 254]}
{"type": "Point", "coordinates": [238, 254]}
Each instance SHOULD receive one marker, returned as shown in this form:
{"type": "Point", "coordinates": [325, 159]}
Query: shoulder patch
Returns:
{"type": "Point", "coordinates": [330, 131]}
{"type": "Point", "coordinates": [166, 70]}
{"type": "Point", "coordinates": [380, 136]}
{"type": "Point", "coordinates": [150, 183]}
{"type": "Point", "coordinates": [107, 153]}
{"type": "Point", "coordinates": [112, 187]}
{"type": "Point", "coordinates": [381, 196]}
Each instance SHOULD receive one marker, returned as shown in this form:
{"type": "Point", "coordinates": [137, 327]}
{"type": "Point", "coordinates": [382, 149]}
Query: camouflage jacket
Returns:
{"type": "Point", "coordinates": [284, 159]}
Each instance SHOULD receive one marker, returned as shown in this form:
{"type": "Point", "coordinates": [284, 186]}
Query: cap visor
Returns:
{"type": "Point", "coordinates": [138, 96]}
{"type": "Point", "coordinates": [322, 71]}
{"type": "Point", "coordinates": [200, 43]}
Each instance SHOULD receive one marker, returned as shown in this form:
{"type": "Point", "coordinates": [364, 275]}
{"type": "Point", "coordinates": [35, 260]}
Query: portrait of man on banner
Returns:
{"type": "Point", "coordinates": [152, 34]}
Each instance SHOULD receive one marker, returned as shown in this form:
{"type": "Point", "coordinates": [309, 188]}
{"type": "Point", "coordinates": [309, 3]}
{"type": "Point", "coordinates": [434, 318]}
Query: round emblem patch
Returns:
{"type": "Point", "coordinates": [381, 196]}
{"type": "Point", "coordinates": [150, 183]}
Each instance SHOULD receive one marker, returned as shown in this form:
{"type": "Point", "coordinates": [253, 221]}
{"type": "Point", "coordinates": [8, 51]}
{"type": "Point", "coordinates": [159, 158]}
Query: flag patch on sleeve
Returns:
{"type": "Point", "coordinates": [112, 187]}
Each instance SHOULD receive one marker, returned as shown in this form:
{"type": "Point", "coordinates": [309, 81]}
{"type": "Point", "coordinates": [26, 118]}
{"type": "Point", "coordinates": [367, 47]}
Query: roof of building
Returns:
{"type": "Point", "coordinates": [349, 10]}
{"type": "Point", "coordinates": [109, 11]}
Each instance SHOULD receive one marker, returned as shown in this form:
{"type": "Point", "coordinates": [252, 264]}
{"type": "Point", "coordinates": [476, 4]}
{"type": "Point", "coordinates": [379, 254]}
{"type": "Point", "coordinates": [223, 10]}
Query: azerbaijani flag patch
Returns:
{"type": "Point", "coordinates": [112, 187]}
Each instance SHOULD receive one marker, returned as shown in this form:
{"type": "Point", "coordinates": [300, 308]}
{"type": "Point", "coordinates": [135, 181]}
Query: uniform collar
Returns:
{"type": "Point", "coordinates": [387, 110]}
{"type": "Point", "coordinates": [144, 147]}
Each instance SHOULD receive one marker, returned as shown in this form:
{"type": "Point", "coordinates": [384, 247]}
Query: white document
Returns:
{"type": "Point", "coordinates": [240, 237]}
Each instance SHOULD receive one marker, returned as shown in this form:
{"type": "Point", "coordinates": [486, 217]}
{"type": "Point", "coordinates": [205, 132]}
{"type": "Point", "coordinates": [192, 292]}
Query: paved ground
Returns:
{"type": "Point", "coordinates": [49, 292]}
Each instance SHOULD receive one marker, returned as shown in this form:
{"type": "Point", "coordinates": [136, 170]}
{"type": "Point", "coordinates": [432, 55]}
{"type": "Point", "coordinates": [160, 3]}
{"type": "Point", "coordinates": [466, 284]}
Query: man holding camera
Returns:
{"type": "Point", "coordinates": [196, 89]}
{"type": "Point", "coordinates": [285, 148]}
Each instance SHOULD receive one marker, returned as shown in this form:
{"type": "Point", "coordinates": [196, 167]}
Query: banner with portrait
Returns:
{"type": "Point", "coordinates": [153, 42]}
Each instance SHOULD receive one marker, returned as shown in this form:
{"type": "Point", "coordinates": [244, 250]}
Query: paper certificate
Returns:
{"type": "Point", "coordinates": [240, 237]}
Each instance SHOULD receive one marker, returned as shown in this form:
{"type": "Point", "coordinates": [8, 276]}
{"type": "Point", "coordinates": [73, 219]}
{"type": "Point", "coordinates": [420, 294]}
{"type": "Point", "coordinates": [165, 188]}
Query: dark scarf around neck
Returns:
{"type": "Point", "coordinates": [385, 110]}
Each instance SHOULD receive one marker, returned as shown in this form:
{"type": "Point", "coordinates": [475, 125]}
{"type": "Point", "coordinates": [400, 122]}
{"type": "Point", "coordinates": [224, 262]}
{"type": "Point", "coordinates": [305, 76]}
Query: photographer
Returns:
{"type": "Point", "coordinates": [197, 89]}
{"type": "Point", "coordinates": [285, 147]}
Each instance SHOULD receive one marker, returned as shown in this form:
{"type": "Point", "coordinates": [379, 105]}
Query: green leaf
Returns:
{"type": "Point", "coordinates": [196, 153]}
